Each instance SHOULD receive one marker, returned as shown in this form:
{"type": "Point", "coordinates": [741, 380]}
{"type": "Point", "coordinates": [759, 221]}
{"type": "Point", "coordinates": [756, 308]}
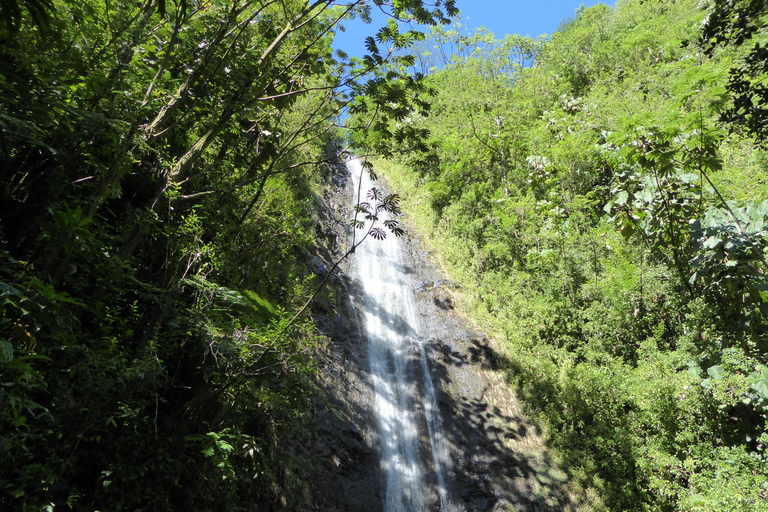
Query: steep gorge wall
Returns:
{"type": "Point", "coordinates": [498, 459]}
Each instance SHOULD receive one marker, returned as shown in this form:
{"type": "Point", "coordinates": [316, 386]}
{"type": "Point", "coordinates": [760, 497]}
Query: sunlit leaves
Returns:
{"type": "Point", "coordinates": [725, 261]}
{"type": "Point", "coordinates": [759, 382]}
{"type": "Point", "coordinates": [158, 160]}
{"type": "Point", "coordinates": [617, 106]}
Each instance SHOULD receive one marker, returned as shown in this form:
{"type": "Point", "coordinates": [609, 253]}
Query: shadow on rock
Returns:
{"type": "Point", "coordinates": [496, 459]}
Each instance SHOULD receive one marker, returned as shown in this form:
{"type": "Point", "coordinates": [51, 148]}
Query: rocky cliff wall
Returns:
{"type": "Point", "coordinates": [498, 461]}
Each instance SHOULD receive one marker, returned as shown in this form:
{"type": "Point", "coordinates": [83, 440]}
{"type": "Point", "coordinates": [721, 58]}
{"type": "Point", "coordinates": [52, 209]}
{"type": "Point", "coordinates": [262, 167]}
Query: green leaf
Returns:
{"type": "Point", "coordinates": [759, 380]}
{"type": "Point", "coordinates": [689, 178]}
{"type": "Point", "coordinates": [627, 230]}
{"type": "Point", "coordinates": [6, 351]}
{"type": "Point", "coordinates": [694, 369]}
{"type": "Point", "coordinates": [646, 195]}
{"type": "Point", "coordinates": [698, 499]}
{"type": "Point", "coordinates": [762, 388]}
{"type": "Point", "coordinates": [716, 372]}
{"type": "Point", "coordinates": [261, 301]}
{"type": "Point", "coordinates": [755, 227]}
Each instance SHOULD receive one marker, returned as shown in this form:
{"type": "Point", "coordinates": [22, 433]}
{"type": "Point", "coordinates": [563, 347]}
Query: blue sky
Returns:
{"type": "Point", "coordinates": [531, 17]}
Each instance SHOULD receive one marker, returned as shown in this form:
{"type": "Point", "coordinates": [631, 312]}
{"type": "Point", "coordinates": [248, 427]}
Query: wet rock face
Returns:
{"type": "Point", "coordinates": [347, 476]}
{"type": "Point", "coordinates": [346, 452]}
{"type": "Point", "coordinates": [496, 456]}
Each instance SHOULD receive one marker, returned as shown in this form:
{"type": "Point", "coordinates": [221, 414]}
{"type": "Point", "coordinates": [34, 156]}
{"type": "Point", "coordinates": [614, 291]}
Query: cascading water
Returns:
{"type": "Point", "coordinates": [413, 461]}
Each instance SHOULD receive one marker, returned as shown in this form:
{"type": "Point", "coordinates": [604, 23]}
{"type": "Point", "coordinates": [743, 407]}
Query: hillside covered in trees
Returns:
{"type": "Point", "coordinates": [601, 193]}
{"type": "Point", "coordinates": [603, 196]}
{"type": "Point", "coordinates": [161, 166]}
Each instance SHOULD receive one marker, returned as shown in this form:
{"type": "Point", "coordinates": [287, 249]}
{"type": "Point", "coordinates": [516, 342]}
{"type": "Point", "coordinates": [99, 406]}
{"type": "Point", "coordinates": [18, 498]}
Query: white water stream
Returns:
{"type": "Point", "coordinates": [414, 458]}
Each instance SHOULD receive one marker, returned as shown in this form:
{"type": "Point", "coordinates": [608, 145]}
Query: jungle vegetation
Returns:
{"type": "Point", "coordinates": [602, 190]}
{"type": "Point", "coordinates": [161, 166]}
{"type": "Point", "coordinates": [602, 194]}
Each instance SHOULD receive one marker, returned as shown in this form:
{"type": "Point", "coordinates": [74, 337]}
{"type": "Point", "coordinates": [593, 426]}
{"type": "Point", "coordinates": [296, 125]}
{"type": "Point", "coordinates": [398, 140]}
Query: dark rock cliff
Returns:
{"type": "Point", "coordinates": [497, 459]}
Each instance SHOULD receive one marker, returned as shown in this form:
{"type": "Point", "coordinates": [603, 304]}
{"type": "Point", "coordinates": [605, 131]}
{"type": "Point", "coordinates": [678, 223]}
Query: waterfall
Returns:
{"type": "Point", "coordinates": [414, 458]}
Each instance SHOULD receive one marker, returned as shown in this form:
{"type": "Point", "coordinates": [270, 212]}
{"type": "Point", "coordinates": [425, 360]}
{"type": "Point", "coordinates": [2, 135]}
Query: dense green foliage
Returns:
{"type": "Point", "coordinates": [608, 207]}
{"type": "Point", "coordinates": [159, 169]}
{"type": "Point", "coordinates": [603, 191]}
